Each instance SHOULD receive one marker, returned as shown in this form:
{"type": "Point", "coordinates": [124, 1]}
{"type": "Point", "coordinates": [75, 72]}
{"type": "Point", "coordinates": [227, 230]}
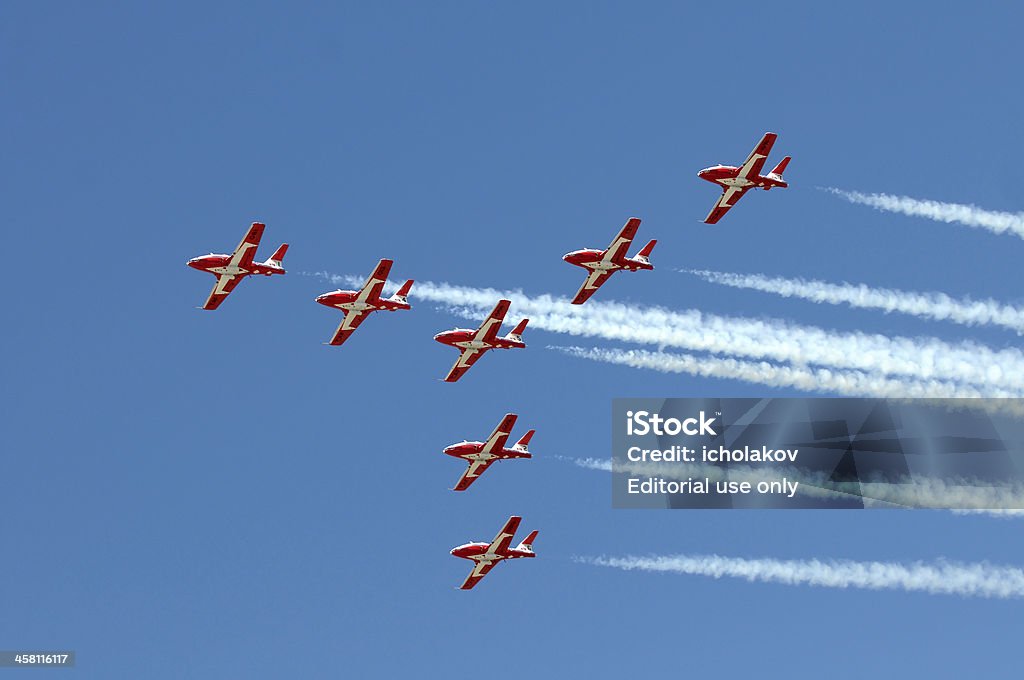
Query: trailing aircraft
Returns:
{"type": "Point", "coordinates": [473, 343]}
{"type": "Point", "coordinates": [231, 269]}
{"type": "Point", "coordinates": [357, 304]}
{"type": "Point", "coordinates": [737, 181]}
{"type": "Point", "coordinates": [601, 264]}
{"type": "Point", "coordinates": [480, 455]}
{"type": "Point", "coordinates": [486, 555]}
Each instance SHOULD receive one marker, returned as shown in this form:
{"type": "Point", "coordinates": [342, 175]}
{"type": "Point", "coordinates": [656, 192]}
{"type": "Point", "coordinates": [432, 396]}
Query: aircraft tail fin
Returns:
{"type": "Point", "coordinates": [527, 544]}
{"type": "Point", "coordinates": [516, 334]}
{"type": "Point", "coordinates": [524, 441]}
{"type": "Point", "coordinates": [403, 293]}
{"type": "Point", "coordinates": [777, 171]}
{"type": "Point", "coordinates": [276, 259]}
{"type": "Point", "coordinates": [645, 252]}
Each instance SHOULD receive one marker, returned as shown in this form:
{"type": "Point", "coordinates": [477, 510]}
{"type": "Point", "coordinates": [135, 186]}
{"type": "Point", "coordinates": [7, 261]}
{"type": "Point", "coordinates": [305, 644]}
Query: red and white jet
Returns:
{"type": "Point", "coordinates": [736, 181]}
{"type": "Point", "coordinates": [480, 455]}
{"type": "Point", "coordinates": [472, 344]}
{"type": "Point", "coordinates": [357, 304]}
{"type": "Point", "coordinates": [486, 555]}
{"type": "Point", "coordinates": [601, 264]}
{"type": "Point", "coordinates": [231, 269]}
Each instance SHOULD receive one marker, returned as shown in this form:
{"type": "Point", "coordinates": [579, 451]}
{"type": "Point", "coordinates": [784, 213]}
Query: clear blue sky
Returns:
{"type": "Point", "coordinates": [192, 494]}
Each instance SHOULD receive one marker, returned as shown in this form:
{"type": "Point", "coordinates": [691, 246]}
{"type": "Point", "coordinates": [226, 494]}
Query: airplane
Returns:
{"type": "Point", "coordinates": [480, 455]}
{"type": "Point", "coordinates": [473, 343]}
{"type": "Point", "coordinates": [736, 181]}
{"type": "Point", "coordinates": [487, 555]}
{"type": "Point", "coordinates": [601, 264]}
{"type": "Point", "coordinates": [231, 269]}
{"type": "Point", "coordinates": [357, 304]}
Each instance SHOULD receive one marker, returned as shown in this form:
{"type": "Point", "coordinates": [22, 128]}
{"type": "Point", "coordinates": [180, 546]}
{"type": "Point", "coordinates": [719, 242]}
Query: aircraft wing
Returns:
{"type": "Point", "coordinates": [751, 168]}
{"type": "Point", "coordinates": [616, 251]}
{"type": "Point", "coordinates": [225, 284]}
{"type": "Point", "coordinates": [500, 434]}
{"type": "Point", "coordinates": [502, 541]}
{"type": "Point", "coordinates": [474, 470]}
{"type": "Point", "coordinates": [462, 364]}
{"type": "Point", "coordinates": [726, 201]}
{"type": "Point", "coordinates": [488, 330]}
{"type": "Point", "coordinates": [348, 326]}
{"type": "Point", "coordinates": [595, 280]}
{"type": "Point", "coordinates": [370, 291]}
{"type": "Point", "coordinates": [246, 250]}
{"type": "Point", "coordinates": [480, 570]}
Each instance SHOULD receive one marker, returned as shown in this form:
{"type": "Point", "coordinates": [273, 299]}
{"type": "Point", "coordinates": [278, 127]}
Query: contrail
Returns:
{"type": "Point", "coordinates": [940, 578]}
{"type": "Point", "coordinates": [929, 305]}
{"type": "Point", "coordinates": [922, 358]}
{"type": "Point", "coordinates": [967, 215]}
{"type": "Point", "coordinates": [852, 383]}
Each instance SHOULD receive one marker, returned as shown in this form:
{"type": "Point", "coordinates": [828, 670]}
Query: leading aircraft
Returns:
{"type": "Point", "coordinates": [486, 555]}
{"type": "Point", "coordinates": [736, 181]}
{"type": "Point", "coordinates": [231, 269]}
{"type": "Point", "coordinates": [601, 264]}
{"type": "Point", "coordinates": [480, 455]}
{"type": "Point", "coordinates": [357, 304]}
{"type": "Point", "coordinates": [472, 344]}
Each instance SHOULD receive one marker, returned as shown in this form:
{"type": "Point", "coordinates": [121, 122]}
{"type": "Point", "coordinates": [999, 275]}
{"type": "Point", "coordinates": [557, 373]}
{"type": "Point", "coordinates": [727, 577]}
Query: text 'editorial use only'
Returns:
{"type": "Point", "coordinates": [817, 453]}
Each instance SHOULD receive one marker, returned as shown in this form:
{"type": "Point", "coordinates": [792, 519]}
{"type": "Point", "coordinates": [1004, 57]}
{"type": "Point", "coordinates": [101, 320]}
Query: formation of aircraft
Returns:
{"type": "Point", "coordinates": [601, 264]}
{"type": "Point", "coordinates": [480, 455]}
{"type": "Point", "coordinates": [737, 181]}
{"type": "Point", "coordinates": [357, 304]}
{"type": "Point", "coordinates": [231, 269]}
{"type": "Point", "coordinates": [473, 343]}
{"type": "Point", "coordinates": [486, 555]}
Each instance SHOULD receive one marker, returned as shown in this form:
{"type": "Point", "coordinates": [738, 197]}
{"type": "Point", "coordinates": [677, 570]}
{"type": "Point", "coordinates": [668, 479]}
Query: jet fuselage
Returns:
{"type": "Point", "coordinates": [472, 451]}
{"type": "Point", "coordinates": [592, 260]}
{"type": "Point", "coordinates": [462, 338]}
{"type": "Point", "coordinates": [728, 176]}
{"type": "Point", "coordinates": [348, 300]}
{"type": "Point", "coordinates": [478, 551]}
{"type": "Point", "coordinates": [221, 264]}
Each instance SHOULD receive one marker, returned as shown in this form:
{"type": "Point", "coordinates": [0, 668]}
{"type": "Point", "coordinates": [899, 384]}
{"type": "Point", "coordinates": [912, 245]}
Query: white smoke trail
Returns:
{"type": "Point", "coordinates": [1001, 514]}
{"type": "Point", "coordinates": [924, 359]}
{"type": "Point", "coordinates": [940, 578]}
{"type": "Point", "coordinates": [967, 215]}
{"type": "Point", "coordinates": [592, 463]}
{"type": "Point", "coordinates": [852, 383]}
{"type": "Point", "coordinates": [929, 305]}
